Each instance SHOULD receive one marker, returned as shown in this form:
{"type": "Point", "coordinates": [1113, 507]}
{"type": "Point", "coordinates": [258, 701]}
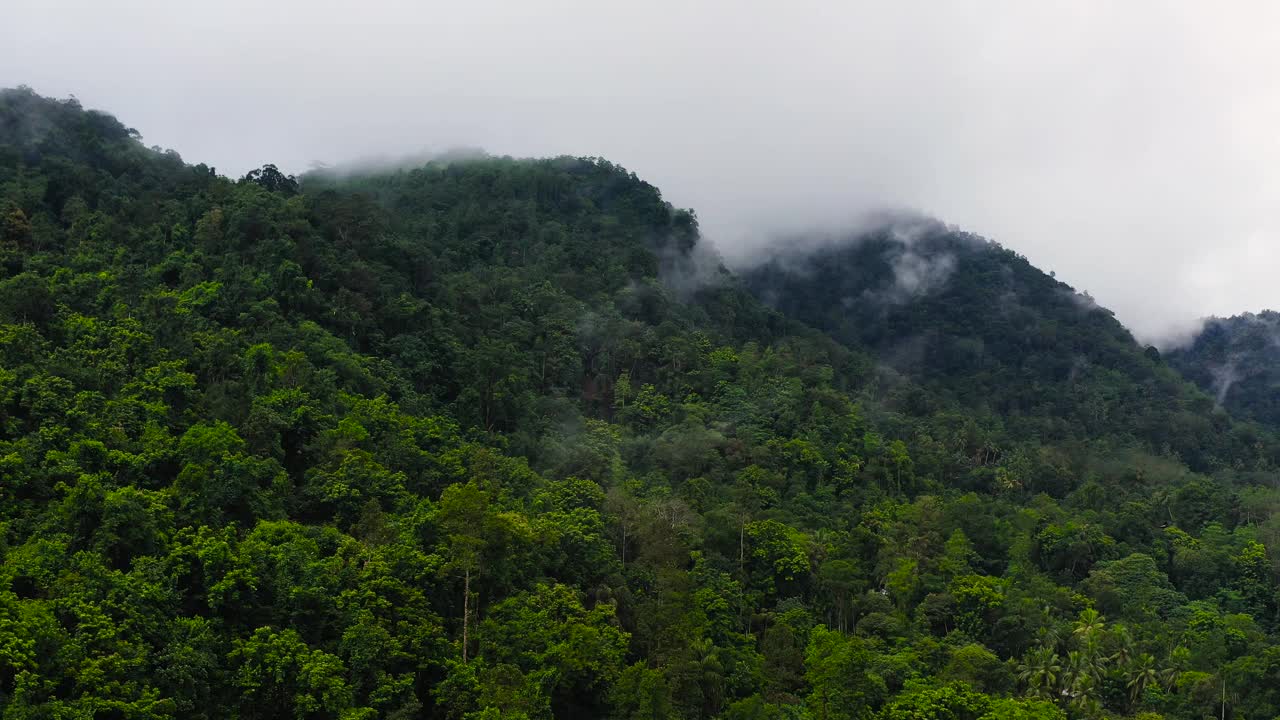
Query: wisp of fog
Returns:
{"type": "Point", "coordinates": [1130, 147]}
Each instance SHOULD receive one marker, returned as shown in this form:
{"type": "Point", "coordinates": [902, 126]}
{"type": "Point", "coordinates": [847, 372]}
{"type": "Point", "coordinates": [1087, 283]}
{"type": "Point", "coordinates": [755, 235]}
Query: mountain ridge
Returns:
{"type": "Point", "coordinates": [1237, 360]}
{"type": "Point", "coordinates": [474, 440]}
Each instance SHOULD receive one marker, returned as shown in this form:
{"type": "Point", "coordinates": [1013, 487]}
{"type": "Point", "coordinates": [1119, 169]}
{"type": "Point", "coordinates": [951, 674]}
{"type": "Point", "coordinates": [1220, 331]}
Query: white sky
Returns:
{"type": "Point", "coordinates": [1133, 147]}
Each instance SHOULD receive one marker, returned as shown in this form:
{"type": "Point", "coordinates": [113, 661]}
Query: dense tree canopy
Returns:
{"type": "Point", "coordinates": [495, 438]}
{"type": "Point", "coordinates": [1237, 360]}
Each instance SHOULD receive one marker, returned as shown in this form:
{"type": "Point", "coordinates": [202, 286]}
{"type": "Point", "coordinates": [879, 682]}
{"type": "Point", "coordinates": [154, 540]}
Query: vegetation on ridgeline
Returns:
{"type": "Point", "coordinates": [1237, 361]}
{"type": "Point", "coordinates": [494, 438]}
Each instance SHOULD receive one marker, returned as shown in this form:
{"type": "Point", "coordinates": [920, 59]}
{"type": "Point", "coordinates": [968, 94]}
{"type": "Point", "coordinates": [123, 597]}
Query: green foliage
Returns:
{"type": "Point", "coordinates": [959, 702]}
{"type": "Point", "coordinates": [1235, 359]}
{"type": "Point", "coordinates": [466, 440]}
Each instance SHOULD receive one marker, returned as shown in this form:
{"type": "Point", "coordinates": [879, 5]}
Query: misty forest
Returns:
{"type": "Point", "coordinates": [495, 438]}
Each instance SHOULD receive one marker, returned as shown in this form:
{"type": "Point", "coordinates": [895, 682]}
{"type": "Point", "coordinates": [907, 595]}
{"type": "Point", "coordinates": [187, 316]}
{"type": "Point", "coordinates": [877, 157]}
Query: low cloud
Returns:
{"type": "Point", "coordinates": [1130, 147]}
{"type": "Point", "coordinates": [915, 274]}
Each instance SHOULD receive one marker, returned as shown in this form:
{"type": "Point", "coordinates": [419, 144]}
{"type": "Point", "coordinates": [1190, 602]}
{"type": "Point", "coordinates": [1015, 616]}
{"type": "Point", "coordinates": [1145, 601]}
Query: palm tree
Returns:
{"type": "Point", "coordinates": [705, 661]}
{"type": "Point", "coordinates": [1089, 626]}
{"type": "Point", "coordinates": [1081, 665]}
{"type": "Point", "coordinates": [1142, 674]}
{"type": "Point", "coordinates": [1174, 665]}
{"type": "Point", "coordinates": [1169, 677]}
{"type": "Point", "coordinates": [1084, 695]}
{"type": "Point", "coordinates": [1048, 635]}
{"type": "Point", "coordinates": [1126, 651]}
{"type": "Point", "coordinates": [1040, 671]}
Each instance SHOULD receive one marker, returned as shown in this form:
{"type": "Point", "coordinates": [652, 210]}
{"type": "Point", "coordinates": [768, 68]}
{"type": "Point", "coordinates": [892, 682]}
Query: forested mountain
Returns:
{"type": "Point", "coordinates": [1237, 361]}
{"type": "Point", "coordinates": [496, 438]}
{"type": "Point", "coordinates": [981, 329]}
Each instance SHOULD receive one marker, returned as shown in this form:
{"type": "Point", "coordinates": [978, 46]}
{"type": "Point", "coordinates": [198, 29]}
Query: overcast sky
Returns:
{"type": "Point", "coordinates": [1133, 147]}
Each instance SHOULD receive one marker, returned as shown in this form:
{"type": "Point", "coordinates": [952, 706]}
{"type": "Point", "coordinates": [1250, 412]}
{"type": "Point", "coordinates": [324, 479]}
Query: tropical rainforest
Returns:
{"type": "Point", "coordinates": [1237, 360]}
{"type": "Point", "coordinates": [494, 438]}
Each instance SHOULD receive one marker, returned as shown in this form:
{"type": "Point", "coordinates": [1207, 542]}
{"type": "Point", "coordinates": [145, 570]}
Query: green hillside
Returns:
{"type": "Point", "coordinates": [495, 438]}
{"type": "Point", "coordinates": [982, 329]}
{"type": "Point", "coordinates": [1237, 361]}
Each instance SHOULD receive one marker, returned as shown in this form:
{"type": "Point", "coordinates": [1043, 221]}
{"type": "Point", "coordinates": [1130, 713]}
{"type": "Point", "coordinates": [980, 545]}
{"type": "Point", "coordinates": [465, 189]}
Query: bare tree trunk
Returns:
{"type": "Point", "coordinates": [466, 610]}
{"type": "Point", "coordinates": [742, 529]}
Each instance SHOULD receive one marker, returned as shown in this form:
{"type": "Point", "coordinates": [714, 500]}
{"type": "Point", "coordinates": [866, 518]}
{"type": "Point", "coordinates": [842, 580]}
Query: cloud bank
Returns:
{"type": "Point", "coordinates": [1130, 147]}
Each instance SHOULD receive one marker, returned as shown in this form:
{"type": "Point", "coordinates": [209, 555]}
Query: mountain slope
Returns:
{"type": "Point", "coordinates": [978, 325]}
{"type": "Point", "coordinates": [1237, 361]}
{"type": "Point", "coordinates": [486, 438]}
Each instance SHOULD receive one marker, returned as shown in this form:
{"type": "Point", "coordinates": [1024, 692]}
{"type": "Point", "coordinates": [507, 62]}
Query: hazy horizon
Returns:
{"type": "Point", "coordinates": [1129, 149]}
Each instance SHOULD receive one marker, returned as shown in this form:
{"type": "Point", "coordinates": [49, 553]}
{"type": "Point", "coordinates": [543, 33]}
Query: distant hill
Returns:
{"type": "Point", "coordinates": [486, 437]}
{"type": "Point", "coordinates": [980, 328]}
{"type": "Point", "coordinates": [1237, 361]}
